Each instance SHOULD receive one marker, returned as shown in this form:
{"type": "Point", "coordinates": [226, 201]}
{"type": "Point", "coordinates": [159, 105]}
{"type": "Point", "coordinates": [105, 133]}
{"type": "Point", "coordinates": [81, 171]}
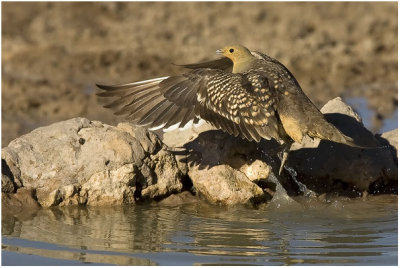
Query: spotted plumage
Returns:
{"type": "Point", "coordinates": [244, 93]}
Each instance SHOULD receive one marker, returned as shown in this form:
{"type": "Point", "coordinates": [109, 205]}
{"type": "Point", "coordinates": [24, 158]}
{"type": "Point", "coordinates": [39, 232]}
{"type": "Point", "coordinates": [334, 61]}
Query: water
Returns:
{"type": "Point", "coordinates": [302, 187]}
{"type": "Point", "coordinates": [307, 232]}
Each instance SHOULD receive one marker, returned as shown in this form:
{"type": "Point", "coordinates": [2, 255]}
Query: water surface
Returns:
{"type": "Point", "coordinates": [342, 231]}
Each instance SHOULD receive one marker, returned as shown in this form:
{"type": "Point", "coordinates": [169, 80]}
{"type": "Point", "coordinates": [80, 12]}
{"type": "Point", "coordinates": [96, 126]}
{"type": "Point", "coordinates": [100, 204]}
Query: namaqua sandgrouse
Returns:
{"type": "Point", "coordinates": [244, 93]}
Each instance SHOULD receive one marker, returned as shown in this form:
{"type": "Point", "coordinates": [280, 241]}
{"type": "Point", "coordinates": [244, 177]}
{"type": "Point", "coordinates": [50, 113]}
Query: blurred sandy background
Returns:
{"type": "Point", "coordinates": [53, 53]}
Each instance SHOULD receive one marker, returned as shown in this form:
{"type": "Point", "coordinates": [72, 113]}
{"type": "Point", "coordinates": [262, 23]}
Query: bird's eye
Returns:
{"type": "Point", "coordinates": [231, 50]}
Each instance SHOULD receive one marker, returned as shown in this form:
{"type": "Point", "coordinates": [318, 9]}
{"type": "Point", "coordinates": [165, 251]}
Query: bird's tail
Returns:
{"type": "Point", "coordinates": [327, 131]}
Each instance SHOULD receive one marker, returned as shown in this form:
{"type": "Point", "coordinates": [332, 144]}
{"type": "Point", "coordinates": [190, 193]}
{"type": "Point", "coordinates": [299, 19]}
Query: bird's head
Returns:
{"type": "Point", "coordinates": [238, 54]}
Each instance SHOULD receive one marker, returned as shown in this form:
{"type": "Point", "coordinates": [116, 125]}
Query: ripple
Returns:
{"type": "Point", "coordinates": [360, 232]}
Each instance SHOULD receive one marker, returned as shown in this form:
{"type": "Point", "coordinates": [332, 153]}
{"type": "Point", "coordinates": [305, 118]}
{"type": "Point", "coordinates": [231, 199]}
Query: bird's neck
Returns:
{"type": "Point", "coordinates": [243, 65]}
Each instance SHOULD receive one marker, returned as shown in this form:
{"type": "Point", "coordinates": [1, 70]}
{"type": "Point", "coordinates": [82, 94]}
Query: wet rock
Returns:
{"type": "Point", "coordinates": [179, 199]}
{"type": "Point", "coordinates": [224, 185]}
{"type": "Point", "coordinates": [86, 162]}
{"type": "Point", "coordinates": [22, 203]}
{"type": "Point", "coordinates": [329, 167]}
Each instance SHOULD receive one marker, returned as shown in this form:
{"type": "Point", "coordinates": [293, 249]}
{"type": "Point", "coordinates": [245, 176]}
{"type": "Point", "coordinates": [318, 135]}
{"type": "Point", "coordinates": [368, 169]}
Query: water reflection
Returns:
{"type": "Point", "coordinates": [338, 232]}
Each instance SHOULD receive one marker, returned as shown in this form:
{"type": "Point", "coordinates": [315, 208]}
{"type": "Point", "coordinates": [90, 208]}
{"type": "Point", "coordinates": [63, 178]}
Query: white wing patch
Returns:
{"type": "Point", "coordinates": [188, 125]}
{"type": "Point", "coordinates": [157, 127]}
{"type": "Point", "coordinates": [159, 79]}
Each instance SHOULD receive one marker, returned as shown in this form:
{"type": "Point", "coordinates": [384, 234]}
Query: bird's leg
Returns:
{"type": "Point", "coordinates": [285, 153]}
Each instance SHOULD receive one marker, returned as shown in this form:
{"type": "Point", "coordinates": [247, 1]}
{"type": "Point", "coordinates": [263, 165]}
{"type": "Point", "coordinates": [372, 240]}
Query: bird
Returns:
{"type": "Point", "coordinates": [244, 93]}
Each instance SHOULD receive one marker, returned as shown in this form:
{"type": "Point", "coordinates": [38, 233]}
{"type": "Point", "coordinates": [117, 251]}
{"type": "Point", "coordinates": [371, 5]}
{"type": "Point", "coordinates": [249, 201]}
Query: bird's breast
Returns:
{"type": "Point", "coordinates": [292, 127]}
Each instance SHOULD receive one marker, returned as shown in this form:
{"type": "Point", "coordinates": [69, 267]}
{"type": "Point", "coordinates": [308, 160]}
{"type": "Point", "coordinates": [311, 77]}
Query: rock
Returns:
{"type": "Point", "coordinates": [349, 122]}
{"type": "Point", "coordinates": [86, 162]}
{"type": "Point", "coordinates": [165, 168]}
{"type": "Point", "coordinates": [214, 147]}
{"type": "Point", "coordinates": [178, 138]}
{"type": "Point", "coordinates": [337, 105]}
{"type": "Point", "coordinates": [23, 203]}
{"type": "Point", "coordinates": [179, 199]}
{"type": "Point", "coordinates": [224, 185]}
{"type": "Point", "coordinates": [217, 156]}
{"type": "Point", "coordinates": [255, 171]}
{"type": "Point", "coordinates": [325, 166]}
{"type": "Point", "coordinates": [391, 137]}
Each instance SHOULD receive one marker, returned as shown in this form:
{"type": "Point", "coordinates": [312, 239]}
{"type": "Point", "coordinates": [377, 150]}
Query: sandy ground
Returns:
{"type": "Point", "coordinates": [54, 53]}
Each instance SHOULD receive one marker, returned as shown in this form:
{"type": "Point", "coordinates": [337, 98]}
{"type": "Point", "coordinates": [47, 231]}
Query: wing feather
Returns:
{"type": "Point", "coordinates": [166, 114]}
{"type": "Point", "coordinates": [189, 115]}
{"type": "Point", "coordinates": [132, 98]}
{"type": "Point", "coordinates": [155, 112]}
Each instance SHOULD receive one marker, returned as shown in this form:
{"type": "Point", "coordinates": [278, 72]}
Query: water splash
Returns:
{"type": "Point", "coordinates": [281, 196]}
{"type": "Point", "coordinates": [302, 187]}
{"type": "Point", "coordinates": [293, 174]}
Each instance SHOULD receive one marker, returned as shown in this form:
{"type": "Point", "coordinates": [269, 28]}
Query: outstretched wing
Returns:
{"type": "Point", "coordinates": [155, 103]}
{"type": "Point", "coordinates": [240, 104]}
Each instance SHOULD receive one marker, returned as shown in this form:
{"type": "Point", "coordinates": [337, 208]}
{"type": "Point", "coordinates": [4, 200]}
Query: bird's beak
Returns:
{"type": "Point", "coordinates": [219, 52]}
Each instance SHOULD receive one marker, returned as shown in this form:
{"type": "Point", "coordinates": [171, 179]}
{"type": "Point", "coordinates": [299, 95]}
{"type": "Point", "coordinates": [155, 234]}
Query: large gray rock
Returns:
{"type": "Point", "coordinates": [86, 162]}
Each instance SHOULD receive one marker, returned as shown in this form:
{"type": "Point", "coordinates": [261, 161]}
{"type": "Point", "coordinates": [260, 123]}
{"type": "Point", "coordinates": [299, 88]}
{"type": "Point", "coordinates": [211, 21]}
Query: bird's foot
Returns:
{"type": "Point", "coordinates": [284, 157]}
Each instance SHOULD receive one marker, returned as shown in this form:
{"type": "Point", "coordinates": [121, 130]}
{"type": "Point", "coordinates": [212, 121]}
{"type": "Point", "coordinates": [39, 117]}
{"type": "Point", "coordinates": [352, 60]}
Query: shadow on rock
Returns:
{"type": "Point", "coordinates": [215, 157]}
{"type": "Point", "coordinates": [333, 167]}
{"type": "Point", "coordinates": [319, 166]}
{"type": "Point", "coordinates": [353, 128]}
{"type": "Point", "coordinates": [215, 147]}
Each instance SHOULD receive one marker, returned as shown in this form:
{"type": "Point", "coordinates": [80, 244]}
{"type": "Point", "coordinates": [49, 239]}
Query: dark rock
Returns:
{"type": "Point", "coordinates": [330, 167]}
